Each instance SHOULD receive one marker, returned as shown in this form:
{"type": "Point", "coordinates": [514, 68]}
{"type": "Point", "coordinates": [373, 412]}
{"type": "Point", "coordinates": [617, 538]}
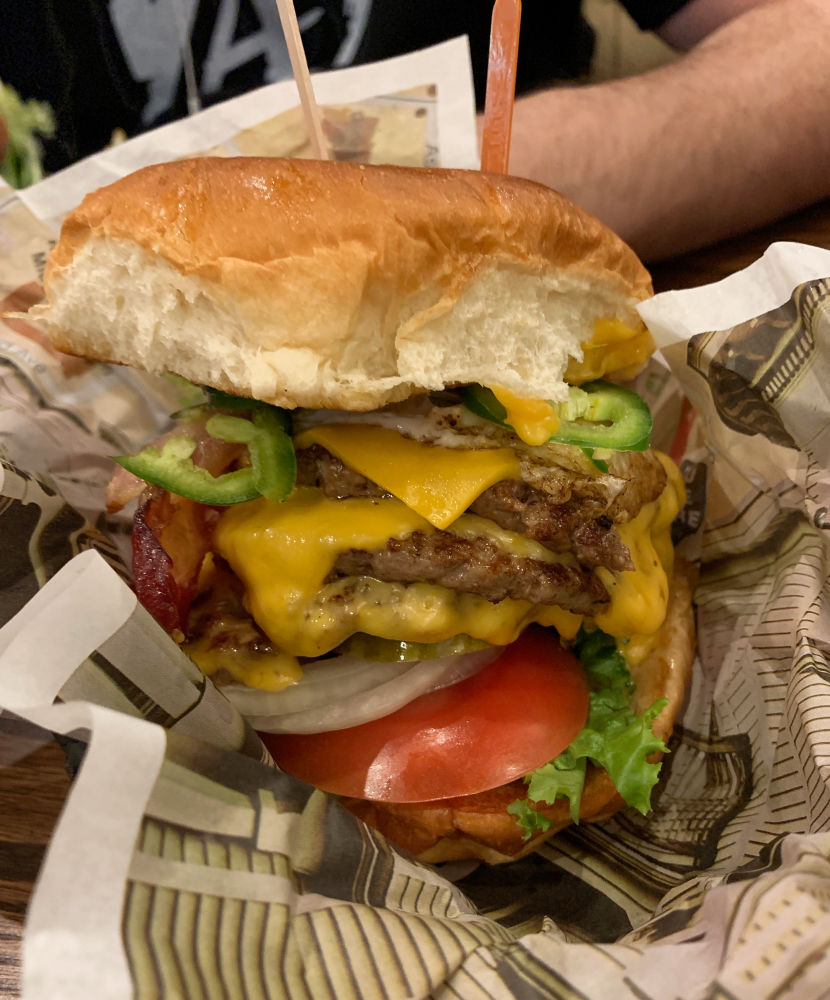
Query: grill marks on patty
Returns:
{"type": "Point", "coordinates": [560, 527]}
{"type": "Point", "coordinates": [476, 566]}
{"type": "Point", "coordinates": [318, 467]}
{"type": "Point", "coordinates": [563, 511]}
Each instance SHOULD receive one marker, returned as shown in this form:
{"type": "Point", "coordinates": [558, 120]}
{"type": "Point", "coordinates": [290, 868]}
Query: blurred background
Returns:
{"type": "Point", "coordinates": [79, 80]}
{"type": "Point", "coordinates": [621, 47]}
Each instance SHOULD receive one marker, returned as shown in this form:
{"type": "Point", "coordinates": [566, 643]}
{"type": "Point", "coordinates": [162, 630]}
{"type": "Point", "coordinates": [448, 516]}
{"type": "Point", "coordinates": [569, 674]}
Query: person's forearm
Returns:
{"type": "Point", "coordinates": [698, 18]}
{"type": "Point", "coordinates": [730, 136]}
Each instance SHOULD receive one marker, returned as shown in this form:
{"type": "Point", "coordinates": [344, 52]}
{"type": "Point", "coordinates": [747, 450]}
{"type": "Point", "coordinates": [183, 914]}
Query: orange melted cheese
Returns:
{"type": "Point", "coordinates": [266, 671]}
{"type": "Point", "coordinates": [437, 483]}
{"type": "Point", "coordinates": [639, 596]}
{"type": "Point", "coordinates": [284, 552]}
{"type": "Point", "coordinates": [615, 348]}
{"type": "Point", "coordinates": [534, 420]}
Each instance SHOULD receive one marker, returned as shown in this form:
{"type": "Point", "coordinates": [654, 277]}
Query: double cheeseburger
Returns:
{"type": "Point", "coordinates": [411, 526]}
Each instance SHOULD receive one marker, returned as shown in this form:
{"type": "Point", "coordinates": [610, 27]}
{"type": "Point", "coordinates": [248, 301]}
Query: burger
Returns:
{"type": "Point", "coordinates": [412, 524]}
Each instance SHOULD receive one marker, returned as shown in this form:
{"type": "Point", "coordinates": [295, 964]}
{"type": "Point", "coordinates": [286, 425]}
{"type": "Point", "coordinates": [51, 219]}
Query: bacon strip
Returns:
{"type": "Point", "coordinates": [171, 537]}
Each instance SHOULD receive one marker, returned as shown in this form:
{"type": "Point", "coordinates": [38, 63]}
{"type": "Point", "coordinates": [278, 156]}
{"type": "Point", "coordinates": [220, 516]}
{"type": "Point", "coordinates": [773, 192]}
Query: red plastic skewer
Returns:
{"type": "Point", "coordinates": [501, 85]}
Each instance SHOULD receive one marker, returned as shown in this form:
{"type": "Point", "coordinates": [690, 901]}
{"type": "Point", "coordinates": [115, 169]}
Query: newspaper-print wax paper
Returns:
{"type": "Point", "coordinates": [185, 866]}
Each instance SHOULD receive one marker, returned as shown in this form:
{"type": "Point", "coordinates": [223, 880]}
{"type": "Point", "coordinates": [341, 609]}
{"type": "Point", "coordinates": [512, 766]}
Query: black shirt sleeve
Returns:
{"type": "Point", "coordinates": [650, 14]}
{"type": "Point", "coordinates": [69, 54]}
{"type": "Point", "coordinates": [63, 52]}
{"type": "Point", "coordinates": [556, 43]}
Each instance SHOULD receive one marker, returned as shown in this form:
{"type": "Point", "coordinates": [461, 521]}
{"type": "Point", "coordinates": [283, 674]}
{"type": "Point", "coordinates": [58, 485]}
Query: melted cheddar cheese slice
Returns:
{"type": "Point", "coordinates": [265, 671]}
{"type": "Point", "coordinates": [437, 483]}
{"type": "Point", "coordinates": [639, 596]}
{"type": "Point", "coordinates": [284, 553]}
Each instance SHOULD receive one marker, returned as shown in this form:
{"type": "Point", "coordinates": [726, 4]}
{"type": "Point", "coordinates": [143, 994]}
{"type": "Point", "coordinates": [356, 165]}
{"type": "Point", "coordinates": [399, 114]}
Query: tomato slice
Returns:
{"type": "Point", "coordinates": [514, 715]}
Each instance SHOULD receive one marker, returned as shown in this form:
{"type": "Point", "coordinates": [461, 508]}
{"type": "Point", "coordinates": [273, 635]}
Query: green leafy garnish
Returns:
{"type": "Point", "coordinates": [614, 738]}
{"type": "Point", "coordinates": [25, 121]}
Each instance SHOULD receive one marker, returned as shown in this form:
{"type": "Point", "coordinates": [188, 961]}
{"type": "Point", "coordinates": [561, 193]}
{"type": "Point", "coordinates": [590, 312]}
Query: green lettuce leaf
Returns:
{"type": "Point", "coordinates": [614, 738]}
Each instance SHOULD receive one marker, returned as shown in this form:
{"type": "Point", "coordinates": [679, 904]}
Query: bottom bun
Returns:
{"type": "Point", "coordinates": [479, 826]}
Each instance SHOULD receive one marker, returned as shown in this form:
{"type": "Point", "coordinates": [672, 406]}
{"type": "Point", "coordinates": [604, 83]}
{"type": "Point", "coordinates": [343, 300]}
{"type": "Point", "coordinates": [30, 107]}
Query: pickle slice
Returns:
{"type": "Point", "coordinates": [372, 647]}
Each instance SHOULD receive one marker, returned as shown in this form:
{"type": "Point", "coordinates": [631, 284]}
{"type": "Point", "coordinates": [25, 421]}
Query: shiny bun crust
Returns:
{"type": "Point", "coordinates": [479, 826]}
{"type": "Point", "coordinates": [324, 284]}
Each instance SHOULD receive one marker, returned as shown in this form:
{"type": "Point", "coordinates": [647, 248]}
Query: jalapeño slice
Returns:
{"type": "Point", "coordinates": [598, 414]}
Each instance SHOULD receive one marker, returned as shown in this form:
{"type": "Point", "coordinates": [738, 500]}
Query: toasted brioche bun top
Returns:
{"type": "Point", "coordinates": [325, 284]}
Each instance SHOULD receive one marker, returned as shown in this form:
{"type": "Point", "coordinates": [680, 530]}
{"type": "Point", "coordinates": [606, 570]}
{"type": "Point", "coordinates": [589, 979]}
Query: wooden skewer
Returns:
{"type": "Point", "coordinates": [296, 53]}
{"type": "Point", "coordinates": [501, 85]}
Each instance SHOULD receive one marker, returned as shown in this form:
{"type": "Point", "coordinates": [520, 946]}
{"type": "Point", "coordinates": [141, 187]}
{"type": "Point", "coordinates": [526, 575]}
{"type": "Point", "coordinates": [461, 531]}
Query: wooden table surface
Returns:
{"type": "Point", "coordinates": [33, 785]}
{"type": "Point", "coordinates": [810, 225]}
{"type": "Point", "coordinates": [33, 777]}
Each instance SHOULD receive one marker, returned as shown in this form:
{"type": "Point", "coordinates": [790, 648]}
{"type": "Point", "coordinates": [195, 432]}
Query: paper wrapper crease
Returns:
{"type": "Point", "coordinates": [183, 865]}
